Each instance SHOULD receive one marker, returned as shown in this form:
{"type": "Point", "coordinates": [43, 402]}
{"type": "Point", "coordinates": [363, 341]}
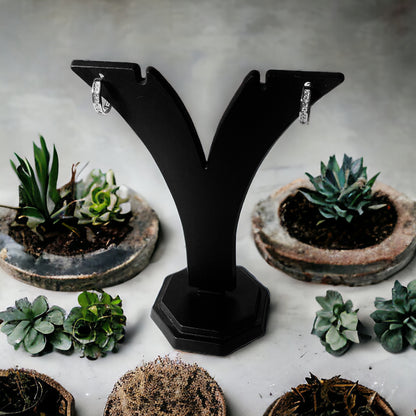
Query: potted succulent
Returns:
{"type": "Point", "coordinates": [95, 327]}
{"type": "Point", "coordinates": [27, 393]}
{"type": "Point", "coordinates": [335, 396]}
{"type": "Point", "coordinates": [166, 387]}
{"type": "Point", "coordinates": [89, 233]}
{"type": "Point", "coordinates": [337, 228]}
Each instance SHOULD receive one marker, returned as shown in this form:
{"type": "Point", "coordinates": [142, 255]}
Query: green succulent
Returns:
{"type": "Point", "coordinates": [100, 199]}
{"type": "Point", "coordinates": [39, 199]}
{"type": "Point", "coordinates": [342, 192]}
{"type": "Point", "coordinates": [336, 324]}
{"type": "Point", "coordinates": [35, 325]}
{"type": "Point", "coordinates": [395, 319]}
{"type": "Point", "coordinates": [97, 325]}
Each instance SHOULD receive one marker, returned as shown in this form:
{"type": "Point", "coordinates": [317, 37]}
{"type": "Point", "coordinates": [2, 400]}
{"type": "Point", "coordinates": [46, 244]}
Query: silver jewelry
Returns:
{"type": "Point", "coordinates": [305, 103]}
{"type": "Point", "coordinates": [100, 104]}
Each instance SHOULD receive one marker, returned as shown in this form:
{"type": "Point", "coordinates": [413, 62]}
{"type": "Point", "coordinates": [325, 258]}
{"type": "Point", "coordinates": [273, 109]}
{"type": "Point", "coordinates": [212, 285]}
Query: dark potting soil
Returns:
{"type": "Point", "coordinates": [60, 240]}
{"type": "Point", "coordinates": [300, 218]}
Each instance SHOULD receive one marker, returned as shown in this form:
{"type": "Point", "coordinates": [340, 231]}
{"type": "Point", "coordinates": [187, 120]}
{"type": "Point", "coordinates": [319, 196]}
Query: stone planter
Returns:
{"type": "Point", "coordinates": [289, 402]}
{"type": "Point", "coordinates": [53, 400]}
{"type": "Point", "coordinates": [355, 267]}
{"type": "Point", "coordinates": [166, 387]}
{"type": "Point", "coordinates": [100, 268]}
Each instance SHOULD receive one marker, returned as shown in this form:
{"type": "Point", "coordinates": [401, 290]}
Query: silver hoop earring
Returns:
{"type": "Point", "coordinates": [305, 103]}
{"type": "Point", "coordinates": [100, 104]}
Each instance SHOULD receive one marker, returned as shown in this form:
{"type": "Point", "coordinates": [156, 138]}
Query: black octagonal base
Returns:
{"type": "Point", "coordinates": [211, 323]}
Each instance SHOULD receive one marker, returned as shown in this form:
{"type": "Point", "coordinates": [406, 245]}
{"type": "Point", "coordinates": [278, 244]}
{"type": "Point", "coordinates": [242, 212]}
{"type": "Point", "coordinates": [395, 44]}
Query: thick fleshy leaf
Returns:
{"type": "Point", "coordinates": [334, 339]}
{"type": "Point", "coordinates": [411, 288]}
{"type": "Point", "coordinates": [380, 328]}
{"type": "Point", "coordinates": [351, 335]}
{"type": "Point", "coordinates": [87, 298]}
{"type": "Point", "coordinates": [392, 341]}
{"type": "Point", "coordinates": [43, 327]}
{"type": "Point", "coordinates": [19, 333]}
{"type": "Point", "coordinates": [24, 305]}
{"type": "Point", "coordinates": [386, 316]}
{"type": "Point", "coordinates": [410, 336]}
{"type": "Point", "coordinates": [34, 342]}
{"type": "Point", "coordinates": [39, 306]}
{"type": "Point", "coordinates": [13, 314]}
{"type": "Point", "coordinates": [349, 320]}
{"type": "Point", "coordinates": [60, 340]}
{"type": "Point", "coordinates": [55, 315]}
{"type": "Point", "coordinates": [381, 303]}
{"type": "Point", "coordinates": [331, 299]}
{"type": "Point", "coordinates": [7, 328]}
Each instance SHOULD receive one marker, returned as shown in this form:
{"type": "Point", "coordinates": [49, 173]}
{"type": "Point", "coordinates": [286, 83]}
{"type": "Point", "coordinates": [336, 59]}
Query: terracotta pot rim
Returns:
{"type": "Point", "coordinates": [273, 406]}
{"type": "Point", "coordinates": [50, 382]}
{"type": "Point", "coordinates": [296, 258]}
{"type": "Point", "coordinates": [99, 268]}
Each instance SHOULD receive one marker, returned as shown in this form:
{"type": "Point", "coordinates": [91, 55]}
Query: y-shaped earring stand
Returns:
{"type": "Point", "coordinates": [212, 306]}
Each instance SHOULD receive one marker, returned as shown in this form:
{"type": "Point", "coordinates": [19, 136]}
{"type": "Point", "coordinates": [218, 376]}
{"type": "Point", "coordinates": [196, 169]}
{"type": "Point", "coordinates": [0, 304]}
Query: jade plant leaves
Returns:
{"type": "Point", "coordinates": [395, 319]}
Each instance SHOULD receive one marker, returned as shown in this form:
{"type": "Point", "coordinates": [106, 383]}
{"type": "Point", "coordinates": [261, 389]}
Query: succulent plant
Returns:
{"type": "Point", "coordinates": [336, 324]}
{"type": "Point", "coordinates": [39, 199]}
{"type": "Point", "coordinates": [342, 192]}
{"type": "Point", "coordinates": [97, 325]}
{"type": "Point", "coordinates": [100, 199]}
{"type": "Point", "coordinates": [395, 319]}
{"type": "Point", "coordinates": [35, 325]}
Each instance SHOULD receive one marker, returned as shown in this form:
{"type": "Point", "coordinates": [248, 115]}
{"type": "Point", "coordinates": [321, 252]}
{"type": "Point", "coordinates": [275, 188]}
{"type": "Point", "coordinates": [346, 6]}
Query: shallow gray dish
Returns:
{"type": "Point", "coordinates": [101, 268]}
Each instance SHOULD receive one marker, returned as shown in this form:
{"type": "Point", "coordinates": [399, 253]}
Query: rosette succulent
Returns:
{"type": "Point", "coordinates": [342, 192]}
{"type": "Point", "coordinates": [97, 325]}
{"type": "Point", "coordinates": [336, 324]}
{"type": "Point", "coordinates": [100, 199]}
{"type": "Point", "coordinates": [395, 319]}
{"type": "Point", "coordinates": [35, 325]}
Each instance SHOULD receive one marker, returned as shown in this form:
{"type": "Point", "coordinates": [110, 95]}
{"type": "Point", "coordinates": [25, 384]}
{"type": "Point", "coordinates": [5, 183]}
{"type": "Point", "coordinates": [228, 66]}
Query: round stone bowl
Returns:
{"type": "Point", "coordinates": [97, 269]}
{"type": "Point", "coordinates": [357, 267]}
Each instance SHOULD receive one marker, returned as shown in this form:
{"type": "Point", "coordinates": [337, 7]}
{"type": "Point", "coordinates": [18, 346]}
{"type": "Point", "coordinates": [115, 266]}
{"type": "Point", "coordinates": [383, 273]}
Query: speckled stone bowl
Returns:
{"type": "Point", "coordinates": [100, 268]}
{"type": "Point", "coordinates": [355, 267]}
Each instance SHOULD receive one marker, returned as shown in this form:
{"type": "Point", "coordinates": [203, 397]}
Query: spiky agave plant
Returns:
{"type": "Point", "coordinates": [35, 325]}
{"type": "Point", "coordinates": [342, 192]}
{"type": "Point", "coordinates": [39, 198]}
{"type": "Point", "coordinates": [336, 324]}
{"type": "Point", "coordinates": [395, 319]}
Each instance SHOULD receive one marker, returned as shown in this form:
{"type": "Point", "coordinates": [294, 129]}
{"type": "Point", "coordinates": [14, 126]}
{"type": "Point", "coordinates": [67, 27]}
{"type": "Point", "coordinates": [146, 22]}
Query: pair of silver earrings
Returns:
{"type": "Point", "coordinates": [102, 106]}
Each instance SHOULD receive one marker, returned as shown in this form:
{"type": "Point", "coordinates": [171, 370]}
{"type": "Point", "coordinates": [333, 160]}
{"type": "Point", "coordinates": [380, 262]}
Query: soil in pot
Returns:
{"type": "Point", "coordinates": [335, 396]}
{"type": "Point", "coordinates": [63, 241]}
{"type": "Point", "coordinates": [303, 221]}
{"type": "Point", "coordinates": [166, 387]}
{"type": "Point", "coordinates": [28, 393]}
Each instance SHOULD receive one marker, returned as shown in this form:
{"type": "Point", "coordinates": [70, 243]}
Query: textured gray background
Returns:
{"type": "Point", "coordinates": [204, 49]}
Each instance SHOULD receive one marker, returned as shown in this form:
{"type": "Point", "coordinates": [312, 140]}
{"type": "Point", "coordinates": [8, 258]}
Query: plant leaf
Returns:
{"type": "Point", "coordinates": [392, 341]}
{"type": "Point", "coordinates": [34, 342]}
{"type": "Point", "coordinates": [39, 306]}
{"type": "Point", "coordinates": [43, 327]}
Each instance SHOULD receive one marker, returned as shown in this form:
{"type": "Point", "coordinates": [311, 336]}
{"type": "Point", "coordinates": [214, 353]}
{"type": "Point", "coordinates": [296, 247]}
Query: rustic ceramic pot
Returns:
{"type": "Point", "coordinates": [51, 390]}
{"type": "Point", "coordinates": [166, 386]}
{"type": "Point", "coordinates": [100, 268]}
{"type": "Point", "coordinates": [355, 267]}
{"type": "Point", "coordinates": [281, 406]}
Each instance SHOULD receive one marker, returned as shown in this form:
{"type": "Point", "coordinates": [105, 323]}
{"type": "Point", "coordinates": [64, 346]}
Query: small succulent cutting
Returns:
{"type": "Point", "coordinates": [97, 325]}
{"type": "Point", "coordinates": [100, 199]}
{"type": "Point", "coordinates": [35, 325]}
{"type": "Point", "coordinates": [39, 199]}
{"type": "Point", "coordinates": [342, 192]}
{"type": "Point", "coordinates": [336, 324]}
{"type": "Point", "coordinates": [395, 319]}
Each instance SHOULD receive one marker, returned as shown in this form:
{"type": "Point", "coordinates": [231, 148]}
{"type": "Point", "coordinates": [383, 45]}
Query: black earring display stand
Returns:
{"type": "Point", "coordinates": [212, 306]}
